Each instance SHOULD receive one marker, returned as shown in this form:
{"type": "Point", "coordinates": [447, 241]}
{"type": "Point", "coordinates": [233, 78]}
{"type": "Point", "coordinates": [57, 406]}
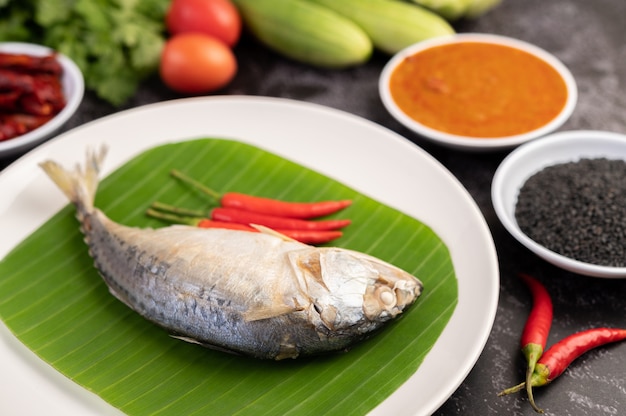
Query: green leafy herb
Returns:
{"type": "Point", "coordinates": [115, 43]}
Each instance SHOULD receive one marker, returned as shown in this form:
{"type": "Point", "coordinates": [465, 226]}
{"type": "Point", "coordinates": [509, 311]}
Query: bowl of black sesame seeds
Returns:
{"type": "Point", "coordinates": [563, 197]}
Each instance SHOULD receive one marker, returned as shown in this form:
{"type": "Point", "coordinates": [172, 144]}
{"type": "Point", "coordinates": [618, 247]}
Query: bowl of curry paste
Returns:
{"type": "Point", "coordinates": [478, 91]}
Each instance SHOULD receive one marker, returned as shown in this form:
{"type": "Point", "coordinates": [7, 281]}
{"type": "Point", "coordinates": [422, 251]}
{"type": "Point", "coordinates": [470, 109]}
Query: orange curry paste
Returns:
{"type": "Point", "coordinates": [478, 89]}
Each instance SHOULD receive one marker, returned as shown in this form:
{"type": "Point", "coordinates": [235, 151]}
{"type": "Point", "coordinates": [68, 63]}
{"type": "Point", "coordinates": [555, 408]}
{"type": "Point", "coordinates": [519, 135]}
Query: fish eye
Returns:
{"type": "Point", "coordinates": [387, 298]}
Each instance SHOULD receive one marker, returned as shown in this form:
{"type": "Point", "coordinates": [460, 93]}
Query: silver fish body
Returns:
{"type": "Point", "coordinates": [258, 294]}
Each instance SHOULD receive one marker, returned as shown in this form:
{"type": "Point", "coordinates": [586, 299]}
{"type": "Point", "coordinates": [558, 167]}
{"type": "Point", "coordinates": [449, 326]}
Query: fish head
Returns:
{"type": "Point", "coordinates": [351, 290]}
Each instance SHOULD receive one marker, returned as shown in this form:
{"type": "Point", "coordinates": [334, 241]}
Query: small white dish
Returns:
{"type": "Point", "coordinates": [476, 143]}
{"type": "Point", "coordinates": [530, 158]}
{"type": "Point", "coordinates": [73, 88]}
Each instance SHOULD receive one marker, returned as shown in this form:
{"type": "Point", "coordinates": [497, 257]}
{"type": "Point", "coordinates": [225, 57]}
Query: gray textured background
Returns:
{"type": "Point", "coordinates": [590, 38]}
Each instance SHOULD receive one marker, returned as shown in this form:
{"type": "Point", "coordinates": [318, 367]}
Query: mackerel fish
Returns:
{"type": "Point", "coordinates": [257, 294]}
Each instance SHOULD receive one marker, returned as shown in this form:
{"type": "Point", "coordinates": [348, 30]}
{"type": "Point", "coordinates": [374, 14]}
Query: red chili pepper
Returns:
{"type": "Point", "coordinates": [274, 222]}
{"type": "Point", "coordinates": [303, 236]}
{"type": "Point", "coordinates": [301, 210]}
{"type": "Point", "coordinates": [559, 356]}
{"type": "Point", "coordinates": [535, 334]}
{"type": "Point", "coordinates": [191, 217]}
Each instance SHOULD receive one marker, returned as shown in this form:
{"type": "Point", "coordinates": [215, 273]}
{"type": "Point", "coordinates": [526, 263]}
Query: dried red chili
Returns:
{"type": "Point", "coordinates": [29, 64]}
{"type": "Point", "coordinates": [301, 210]}
{"type": "Point", "coordinates": [30, 92]}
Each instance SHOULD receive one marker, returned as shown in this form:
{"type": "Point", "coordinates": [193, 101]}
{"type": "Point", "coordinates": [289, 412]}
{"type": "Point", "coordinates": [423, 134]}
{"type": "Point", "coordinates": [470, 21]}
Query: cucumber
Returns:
{"type": "Point", "coordinates": [391, 24]}
{"type": "Point", "coordinates": [306, 32]}
{"type": "Point", "coordinates": [479, 7]}
{"type": "Point", "coordinates": [448, 9]}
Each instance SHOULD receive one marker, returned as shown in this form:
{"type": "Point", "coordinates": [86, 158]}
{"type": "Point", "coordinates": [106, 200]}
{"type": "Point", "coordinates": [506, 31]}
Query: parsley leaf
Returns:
{"type": "Point", "coordinates": [115, 43]}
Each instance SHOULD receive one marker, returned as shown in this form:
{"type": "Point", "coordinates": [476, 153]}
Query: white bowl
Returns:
{"type": "Point", "coordinates": [474, 143]}
{"type": "Point", "coordinates": [73, 88]}
{"type": "Point", "coordinates": [531, 158]}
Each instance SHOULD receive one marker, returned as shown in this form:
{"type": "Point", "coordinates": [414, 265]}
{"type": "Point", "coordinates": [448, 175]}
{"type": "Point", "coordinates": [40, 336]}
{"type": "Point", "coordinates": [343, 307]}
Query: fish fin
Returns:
{"type": "Point", "coordinates": [266, 230]}
{"type": "Point", "coordinates": [257, 314]}
{"type": "Point", "coordinates": [287, 350]}
{"type": "Point", "coordinates": [79, 185]}
{"type": "Point", "coordinates": [204, 344]}
{"type": "Point", "coordinates": [308, 264]}
{"type": "Point", "coordinates": [120, 298]}
{"type": "Point", "coordinates": [187, 339]}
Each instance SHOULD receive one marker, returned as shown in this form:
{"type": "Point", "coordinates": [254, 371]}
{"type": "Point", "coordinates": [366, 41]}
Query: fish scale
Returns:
{"type": "Point", "coordinates": [257, 294]}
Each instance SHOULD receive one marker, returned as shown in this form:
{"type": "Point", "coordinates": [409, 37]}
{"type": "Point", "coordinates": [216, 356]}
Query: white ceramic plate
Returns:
{"type": "Point", "coordinates": [359, 153]}
{"type": "Point", "coordinates": [530, 158]}
{"type": "Point", "coordinates": [474, 143]}
{"type": "Point", "coordinates": [73, 88]}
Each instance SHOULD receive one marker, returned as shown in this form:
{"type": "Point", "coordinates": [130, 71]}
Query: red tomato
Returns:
{"type": "Point", "coordinates": [218, 18]}
{"type": "Point", "coordinates": [194, 63]}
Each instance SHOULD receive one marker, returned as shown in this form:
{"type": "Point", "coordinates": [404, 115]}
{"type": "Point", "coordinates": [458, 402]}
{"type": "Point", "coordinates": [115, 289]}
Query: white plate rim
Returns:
{"type": "Point", "coordinates": [477, 144]}
{"type": "Point", "coordinates": [530, 158]}
{"type": "Point", "coordinates": [254, 120]}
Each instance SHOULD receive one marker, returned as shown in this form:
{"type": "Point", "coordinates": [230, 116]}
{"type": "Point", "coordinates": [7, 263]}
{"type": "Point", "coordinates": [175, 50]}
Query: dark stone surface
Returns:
{"type": "Point", "coordinates": [589, 37]}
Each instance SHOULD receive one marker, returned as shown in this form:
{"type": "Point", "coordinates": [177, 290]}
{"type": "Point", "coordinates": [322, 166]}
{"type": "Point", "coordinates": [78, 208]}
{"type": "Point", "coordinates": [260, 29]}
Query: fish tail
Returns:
{"type": "Point", "coordinates": [80, 184]}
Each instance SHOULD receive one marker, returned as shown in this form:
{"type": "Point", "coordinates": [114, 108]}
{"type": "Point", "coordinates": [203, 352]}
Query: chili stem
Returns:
{"type": "Point", "coordinates": [195, 184]}
{"type": "Point", "coordinates": [268, 206]}
{"type": "Point", "coordinates": [513, 389]}
{"type": "Point", "coordinates": [171, 217]}
{"type": "Point", "coordinates": [521, 387]}
{"type": "Point", "coordinates": [179, 210]}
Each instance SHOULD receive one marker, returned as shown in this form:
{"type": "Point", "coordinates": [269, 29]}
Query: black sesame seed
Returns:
{"type": "Point", "coordinates": [577, 209]}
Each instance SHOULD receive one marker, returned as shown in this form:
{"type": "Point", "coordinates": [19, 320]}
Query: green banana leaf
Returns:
{"type": "Point", "coordinates": [53, 300]}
